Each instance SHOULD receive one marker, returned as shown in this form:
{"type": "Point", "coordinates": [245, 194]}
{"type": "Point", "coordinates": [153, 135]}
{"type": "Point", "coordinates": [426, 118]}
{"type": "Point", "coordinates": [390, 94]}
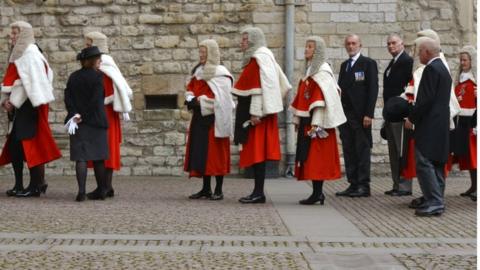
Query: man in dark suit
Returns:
{"type": "Point", "coordinates": [358, 80]}
{"type": "Point", "coordinates": [397, 75]}
{"type": "Point", "coordinates": [430, 119]}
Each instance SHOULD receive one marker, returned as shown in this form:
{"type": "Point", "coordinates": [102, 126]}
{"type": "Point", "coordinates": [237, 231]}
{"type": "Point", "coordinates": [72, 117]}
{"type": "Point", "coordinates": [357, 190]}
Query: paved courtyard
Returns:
{"type": "Point", "coordinates": [150, 224]}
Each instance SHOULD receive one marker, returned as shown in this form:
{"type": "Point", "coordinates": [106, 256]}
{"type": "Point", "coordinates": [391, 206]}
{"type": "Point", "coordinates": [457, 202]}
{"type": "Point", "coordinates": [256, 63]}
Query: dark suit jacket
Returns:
{"type": "Point", "coordinates": [399, 76]}
{"type": "Point", "coordinates": [359, 92]}
{"type": "Point", "coordinates": [431, 112]}
{"type": "Point", "coordinates": [85, 95]}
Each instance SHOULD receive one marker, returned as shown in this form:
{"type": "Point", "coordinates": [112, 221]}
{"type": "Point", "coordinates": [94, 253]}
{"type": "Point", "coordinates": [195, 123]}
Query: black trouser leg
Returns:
{"type": "Point", "coordinates": [16, 152]}
{"type": "Point", "coordinates": [473, 179]}
{"type": "Point", "coordinates": [206, 184]}
{"type": "Point", "coordinates": [108, 178]}
{"type": "Point", "coordinates": [259, 174]}
{"type": "Point", "coordinates": [81, 172]}
{"type": "Point", "coordinates": [219, 184]}
{"type": "Point", "coordinates": [100, 175]}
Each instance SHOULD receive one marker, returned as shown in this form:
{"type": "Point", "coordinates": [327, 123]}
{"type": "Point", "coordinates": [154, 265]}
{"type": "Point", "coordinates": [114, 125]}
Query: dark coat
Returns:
{"type": "Point", "coordinates": [85, 95]}
{"type": "Point", "coordinates": [399, 76]}
{"type": "Point", "coordinates": [431, 112]}
{"type": "Point", "coordinates": [24, 121]}
{"type": "Point", "coordinates": [359, 92]}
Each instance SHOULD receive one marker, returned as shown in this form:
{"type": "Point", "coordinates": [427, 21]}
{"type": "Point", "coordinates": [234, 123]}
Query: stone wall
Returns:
{"type": "Point", "coordinates": [155, 45]}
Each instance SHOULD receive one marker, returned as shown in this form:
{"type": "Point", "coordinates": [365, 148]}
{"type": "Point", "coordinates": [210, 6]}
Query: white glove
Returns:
{"type": "Point", "coordinates": [474, 130]}
{"type": "Point", "coordinates": [125, 116]}
{"type": "Point", "coordinates": [318, 132]}
{"type": "Point", "coordinates": [189, 96]}
{"type": "Point", "coordinates": [71, 125]}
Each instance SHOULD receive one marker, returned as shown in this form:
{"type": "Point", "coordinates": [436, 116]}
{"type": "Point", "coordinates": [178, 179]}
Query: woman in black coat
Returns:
{"type": "Point", "coordinates": [87, 122]}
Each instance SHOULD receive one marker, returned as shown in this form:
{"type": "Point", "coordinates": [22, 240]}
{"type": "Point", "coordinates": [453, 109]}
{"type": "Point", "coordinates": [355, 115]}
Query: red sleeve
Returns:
{"type": "Point", "coordinates": [11, 75]}
{"type": "Point", "coordinates": [107, 85]}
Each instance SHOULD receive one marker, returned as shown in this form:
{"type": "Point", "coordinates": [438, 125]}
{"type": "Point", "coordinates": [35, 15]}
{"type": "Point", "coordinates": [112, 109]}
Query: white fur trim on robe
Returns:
{"type": "Point", "coordinates": [273, 81]}
{"type": "Point", "coordinates": [223, 105]}
{"type": "Point", "coordinates": [36, 83]}
{"type": "Point", "coordinates": [454, 106]}
{"type": "Point", "coordinates": [332, 115]}
{"type": "Point", "coordinates": [122, 93]}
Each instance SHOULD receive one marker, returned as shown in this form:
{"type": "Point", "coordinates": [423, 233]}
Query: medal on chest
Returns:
{"type": "Point", "coordinates": [306, 92]}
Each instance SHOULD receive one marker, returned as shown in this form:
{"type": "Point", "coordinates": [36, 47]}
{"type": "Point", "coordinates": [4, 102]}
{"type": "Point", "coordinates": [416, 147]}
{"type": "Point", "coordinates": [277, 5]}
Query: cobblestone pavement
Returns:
{"type": "Point", "coordinates": [150, 224]}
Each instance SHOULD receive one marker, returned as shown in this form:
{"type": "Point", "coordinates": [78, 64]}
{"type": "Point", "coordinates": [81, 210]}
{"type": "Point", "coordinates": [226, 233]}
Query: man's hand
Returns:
{"type": "Point", "coordinates": [367, 121]}
{"type": "Point", "coordinates": [8, 106]}
{"type": "Point", "coordinates": [255, 120]}
{"type": "Point", "coordinates": [408, 124]}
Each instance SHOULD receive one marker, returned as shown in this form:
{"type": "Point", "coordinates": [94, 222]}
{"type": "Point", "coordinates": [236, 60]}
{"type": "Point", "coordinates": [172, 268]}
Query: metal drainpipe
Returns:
{"type": "Point", "coordinates": [289, 67]}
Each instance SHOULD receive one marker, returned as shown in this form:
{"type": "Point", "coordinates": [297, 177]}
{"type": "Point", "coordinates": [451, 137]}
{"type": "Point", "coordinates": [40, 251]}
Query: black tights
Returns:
{"type": "Point", "coordinates": [317, 188]}
{"type": "Point", "coordinates": [259, 174]}
{"type": "Point", "coordinates": [108, 179]}
{"type": "Point", "coordinates": [81, 171]}
{"type": "Point", "coordinates": [218, 187]}
{"type": "Point", "coordinates": [473, 179]}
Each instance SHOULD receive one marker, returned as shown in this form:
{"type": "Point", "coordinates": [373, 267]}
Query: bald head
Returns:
{"type": "Point", "coordinates": [428, 49]}
{"type": "Point", "coordinates": [353, 44]}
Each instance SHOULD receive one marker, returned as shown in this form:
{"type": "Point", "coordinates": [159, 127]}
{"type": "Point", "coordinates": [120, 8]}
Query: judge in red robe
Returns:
{"type": "Point", "coordinates": [118, 95]}
{"type": "Point", "coordinates": [259, 89]}
{"type": "Point", "coordinates": [317, 111]}
{"type": "Point", "coordinates": [463, 139]}
{"type": "Point", "coordinates": [209, 97]}
{"type": "Point", "coordinates": [26, 91]}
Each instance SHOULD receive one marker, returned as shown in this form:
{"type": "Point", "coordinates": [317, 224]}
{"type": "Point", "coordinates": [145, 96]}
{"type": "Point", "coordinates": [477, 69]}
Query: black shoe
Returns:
{"type": "Point", "coordinates": [81, 197]}
{"type": "Point", "coordinates": [14, 191]}
{"type": "Point", "coordinates": [43, 188]}
{"type": "Point", "coordinates": [201, 194]}
{"type": "Point", "coordinates": [29, 192]}
{"type": "Point", "coordinates": [110, 193]}
{"type": "Point", "coordinates": [313, 200]}
{"type": "Point", "coordinates": [399, 193]}
{"type": "Point", "coordinates": [346, 192]}
{"type": "Point", "coordinates": [417, 203]}
{"type": "Point", "coordinates": [361, 191]}
{"type": "Point", "coordinates": [468, 192]}
{"type": "Point", "coordinates": [217, 197]}
{"type": "Point", "coordinates": [96, 195]}
{"type": "Point", "coordinates": [390, 192]}
{"type": "Point", "coordinates": [253, 199]}
{"type": "Point", "coordinates": [473, 196]}
{"type": "Point", "coordinates": [430, 211]}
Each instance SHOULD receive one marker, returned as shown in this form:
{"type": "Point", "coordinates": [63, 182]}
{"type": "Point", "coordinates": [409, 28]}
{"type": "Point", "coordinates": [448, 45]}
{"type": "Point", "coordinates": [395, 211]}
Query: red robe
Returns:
{"type": "Point", "coordinates": [323, 160]}
{"type": "Point", "coordinates": [218, 152]}
{"type": "Point", "coordinates": [114, 132]}
{"type": "Point", "coordinates": [468, 102]}
{"type": "Point", "coordinates": [263, 139]}
{"type": "Point", "coordinates": [41, 148]}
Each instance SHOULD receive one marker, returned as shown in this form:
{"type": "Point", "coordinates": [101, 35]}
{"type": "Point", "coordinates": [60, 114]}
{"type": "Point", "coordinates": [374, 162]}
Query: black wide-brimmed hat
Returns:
{"type": "Point", "coordinates": [396, 109]}
{"type": "Point", "coordinates": [89, 52]}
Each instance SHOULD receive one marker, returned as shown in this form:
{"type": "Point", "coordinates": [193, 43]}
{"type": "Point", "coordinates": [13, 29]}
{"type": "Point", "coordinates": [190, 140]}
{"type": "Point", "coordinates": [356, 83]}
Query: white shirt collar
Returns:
{"type": "Point", "coordinates": [433, 59]}
{"type": "Point", "coordinates": [355, 57]}
{"type": "Point", "coordinates": [397, 56]}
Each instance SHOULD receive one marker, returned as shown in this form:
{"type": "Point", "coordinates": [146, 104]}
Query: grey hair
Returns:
{"type": "Point", "coordinates": [256, 39]}
{"type": "Point", "coordinates": [355, 36]}
{"type": "Point", "coordinates": [318, 56]}
{"type": "Point", "coordinates": [472, 53]}
{"type": "Point", "coordinates": [398, 35]}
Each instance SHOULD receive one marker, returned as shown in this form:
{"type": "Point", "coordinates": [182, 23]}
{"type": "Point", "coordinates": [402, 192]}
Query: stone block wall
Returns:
{"type": "Point", "coordinates": [155, 45]}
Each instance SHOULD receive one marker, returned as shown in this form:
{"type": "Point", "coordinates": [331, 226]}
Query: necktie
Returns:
{"type": "Point", "coordinates": [389, 67]}
{"type": "Point", "coordinates": [349, 64]}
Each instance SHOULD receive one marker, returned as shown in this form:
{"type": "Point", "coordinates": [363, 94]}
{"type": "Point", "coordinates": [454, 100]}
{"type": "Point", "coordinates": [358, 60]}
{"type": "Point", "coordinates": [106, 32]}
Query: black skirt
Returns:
{"type": "Point", "coordinates": [89, 143]}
